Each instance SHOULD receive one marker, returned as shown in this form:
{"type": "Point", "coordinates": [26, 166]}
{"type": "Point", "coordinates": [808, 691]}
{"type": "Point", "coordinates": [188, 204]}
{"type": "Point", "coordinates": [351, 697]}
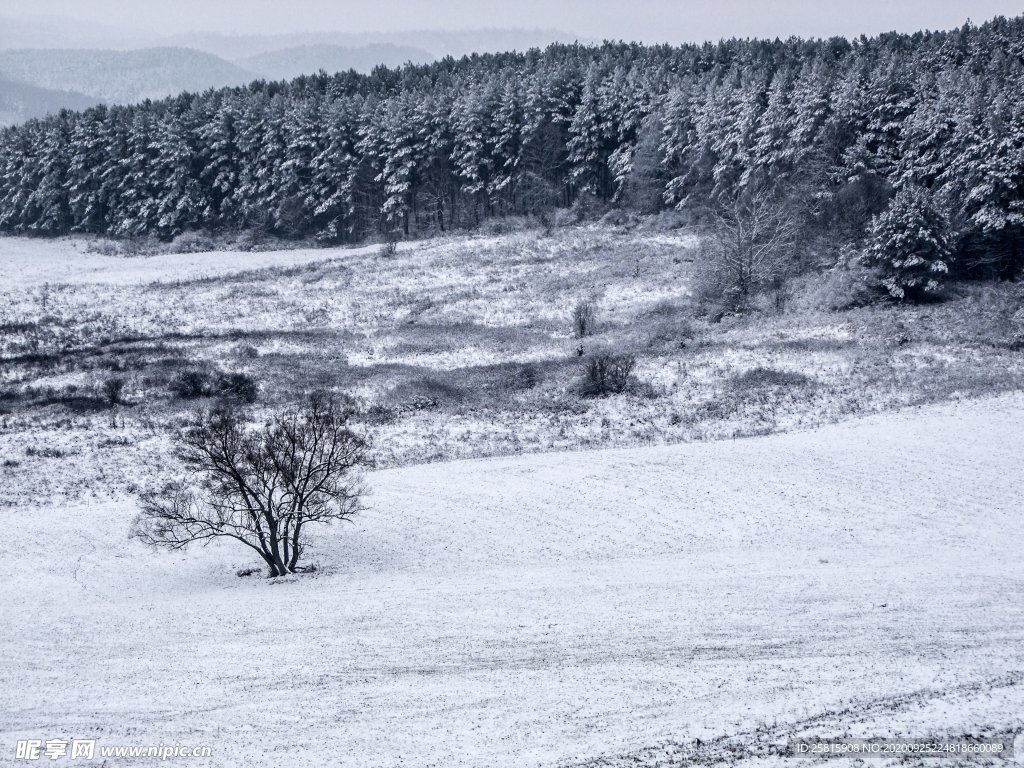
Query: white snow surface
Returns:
{"type": "Point", "coordinates": [34, 262]}
{"type": "Point", "coordinates": [863, 579]}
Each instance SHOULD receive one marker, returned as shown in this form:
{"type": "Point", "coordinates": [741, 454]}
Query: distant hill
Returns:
{"type": "Point", "coordinates": [20, 102]}
{"type": "Point", "coordinates": [438, 43]}
{"type": "Point", "coordinates": [121, 76]}
{"type": "Point", "coordinates": [288, 63]}
{"type": "Point", "coordinates": [40, 73]}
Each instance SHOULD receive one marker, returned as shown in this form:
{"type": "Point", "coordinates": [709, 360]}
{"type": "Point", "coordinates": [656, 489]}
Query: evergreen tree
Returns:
{"type": "Point", "coordinates": [835, 124]}
{"type": "Point", "coordinates": [909, 245]}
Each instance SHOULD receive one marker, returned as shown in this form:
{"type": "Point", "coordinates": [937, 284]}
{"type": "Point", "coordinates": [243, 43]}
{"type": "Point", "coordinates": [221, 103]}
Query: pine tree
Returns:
{"type": "Point", "coordinates": [909, 246]}
{"type": "Point", "coordinates": [994, 200]}
{"type": "Point", "coordinates": [178, 197]}
{"type": "Point", "coordinates": [839, 124]}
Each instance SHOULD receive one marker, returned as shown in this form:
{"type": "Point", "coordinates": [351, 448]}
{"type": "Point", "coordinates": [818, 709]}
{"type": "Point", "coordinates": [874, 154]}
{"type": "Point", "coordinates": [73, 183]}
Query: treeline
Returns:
{"type": "Point", "coordinates": [837, 125]}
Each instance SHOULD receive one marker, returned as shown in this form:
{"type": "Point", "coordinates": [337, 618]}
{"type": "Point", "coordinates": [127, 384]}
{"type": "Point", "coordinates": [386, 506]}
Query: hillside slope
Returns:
{"type": "Point", "coordinates": [122, 76]}
{"type": "Point", "coordinates": [20, 102]}
{"type": "Point", "coordinates": [864, 578]}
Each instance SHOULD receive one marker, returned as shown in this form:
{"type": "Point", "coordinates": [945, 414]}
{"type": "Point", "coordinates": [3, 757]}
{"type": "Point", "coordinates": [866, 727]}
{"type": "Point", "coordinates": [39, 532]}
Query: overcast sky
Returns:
{"type": "Point", "coordinates": [646, 20]}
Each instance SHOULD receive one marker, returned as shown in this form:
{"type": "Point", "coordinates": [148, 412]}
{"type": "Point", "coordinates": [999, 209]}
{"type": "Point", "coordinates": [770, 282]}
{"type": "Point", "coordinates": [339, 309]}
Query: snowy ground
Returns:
{"type": "Point", "coordinates": [459, 347]}
{"type": "Point", "coordinates": [27, 263]}
{"type": "Point", "coordinates": [571, 609]}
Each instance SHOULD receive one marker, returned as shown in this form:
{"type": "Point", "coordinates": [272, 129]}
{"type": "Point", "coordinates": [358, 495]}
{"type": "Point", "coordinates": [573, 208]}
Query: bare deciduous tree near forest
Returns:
{"type": "Point", "coordinates": [754, 237]}
{"type": "Point", "coordinates": [262, 487]}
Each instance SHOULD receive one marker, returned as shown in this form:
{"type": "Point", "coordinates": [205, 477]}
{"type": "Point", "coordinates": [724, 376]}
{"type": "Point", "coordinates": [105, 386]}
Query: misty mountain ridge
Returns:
{"type": "Point", "coordinates": [288, 63]}
{"type": "Point", "coordinates": [48, 64]}
{"type": "Point", "coordinates": [438, 43]}
{"type": "Point", "coordinates": [20, 102]}
{"type": "Point", "coordinates": [119, 77]}
{"type": "Point", "coordinates": [61, 33]}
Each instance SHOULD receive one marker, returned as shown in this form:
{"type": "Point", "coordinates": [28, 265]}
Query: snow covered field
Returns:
{"type": "Point", "coordinates": [609, 607]}
{"type": "Point", "coordinates": [27, 263]}
{"type": "Point", "coordinates": [458, 347]}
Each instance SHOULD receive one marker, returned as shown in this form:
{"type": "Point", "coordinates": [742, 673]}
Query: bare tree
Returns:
{"type": "Point", "coordinates": [262, 487]}
{"type": "Point", "coordinates": [584, 319]}
{"type": "Point", "coordinates": [754, 235]}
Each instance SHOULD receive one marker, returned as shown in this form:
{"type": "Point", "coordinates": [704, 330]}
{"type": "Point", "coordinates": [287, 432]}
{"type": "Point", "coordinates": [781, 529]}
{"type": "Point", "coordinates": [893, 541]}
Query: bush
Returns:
{"type": "Point", "coordinates": [68, 396]}
{"type": "Point", "coordinates": [525, 376]}
{"type": "Point", "coordinates": [113, 391]}
{"type": "Point", "coordinates": [666, 325]}
{"type": "Point", "coordinates": [606, 374]}
{"type": "Point", "coordinates": [251, 241]}
{"type": "Point", "coordinates": [847, 285]}
{"type": "Point", "coordinates": [506, 225]}
{"type": "Point", "coordinates": [389, 247]}
{"type": "Point", "coordinates": [45, 452]}
{"type": "Point", "coordinates": [190, 385]}
{"type": "Point", "coordinates": [909, 244]}
{"type": "Point", "coordinates": [425, 393]}
{"type": "Point", "coordinates": [761, 378]}
{"type": "Point", "coordinates": [192, 242]}
{"type": "Point", "coordinates": [584, 319]}
{"type": "Point", "coordinates": [193, 384]}
{"type": "Point", "coordinates": [379, 415]}
{"type": "Point", "coordinates": [237, 386]}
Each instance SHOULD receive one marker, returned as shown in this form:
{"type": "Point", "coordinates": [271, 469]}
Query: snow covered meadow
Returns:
{"type": "Point", "coordinates": [591, 608]}
{"type": "Point", "coordinates": [463, 347]}
{"type": "Point", "coordinates": [541, 579]}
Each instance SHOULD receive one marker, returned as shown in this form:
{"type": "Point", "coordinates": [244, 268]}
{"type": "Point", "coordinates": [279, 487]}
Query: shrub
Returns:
{"type": "Point", "coordinates": [505, 225]}
{"type": "Point", "coordinates": [760, 378]}
{"type": "Point", "coordinates": [68, 397]}
{"type": "Point", "coordinates": [192, 242]}
{"type": "Point", "coordinates": [190, 385]}
{"type": "Point", "coordinates": [45, 452]}
{"type": "Point", "coordinates": [525, 376]}
{"type": "Point", "coordinates": [584, 319]}
{"type": "Point", "coordinates": [378, 415]}
{"type": "Point", "coordinates": [666, 324]}
{"type": "Point", "coordinates": [605, 373]}
{"type": "Point", "coordinates": [847, 285]}
{"type": "Point", "coordinates": [389, 247]}
{"type": "Point", "coordinates": [193, 384]}
{"type": "Point", "coordinates": [909, 244]}
{"type": "Point", "coordinates": [237, 386]}
{"type": "Point", "coordinates": [113, 391]}
{"type": "Point", "coordinates": [251, 240]}
{"type": "Point", "coordinates": [424, 393]}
